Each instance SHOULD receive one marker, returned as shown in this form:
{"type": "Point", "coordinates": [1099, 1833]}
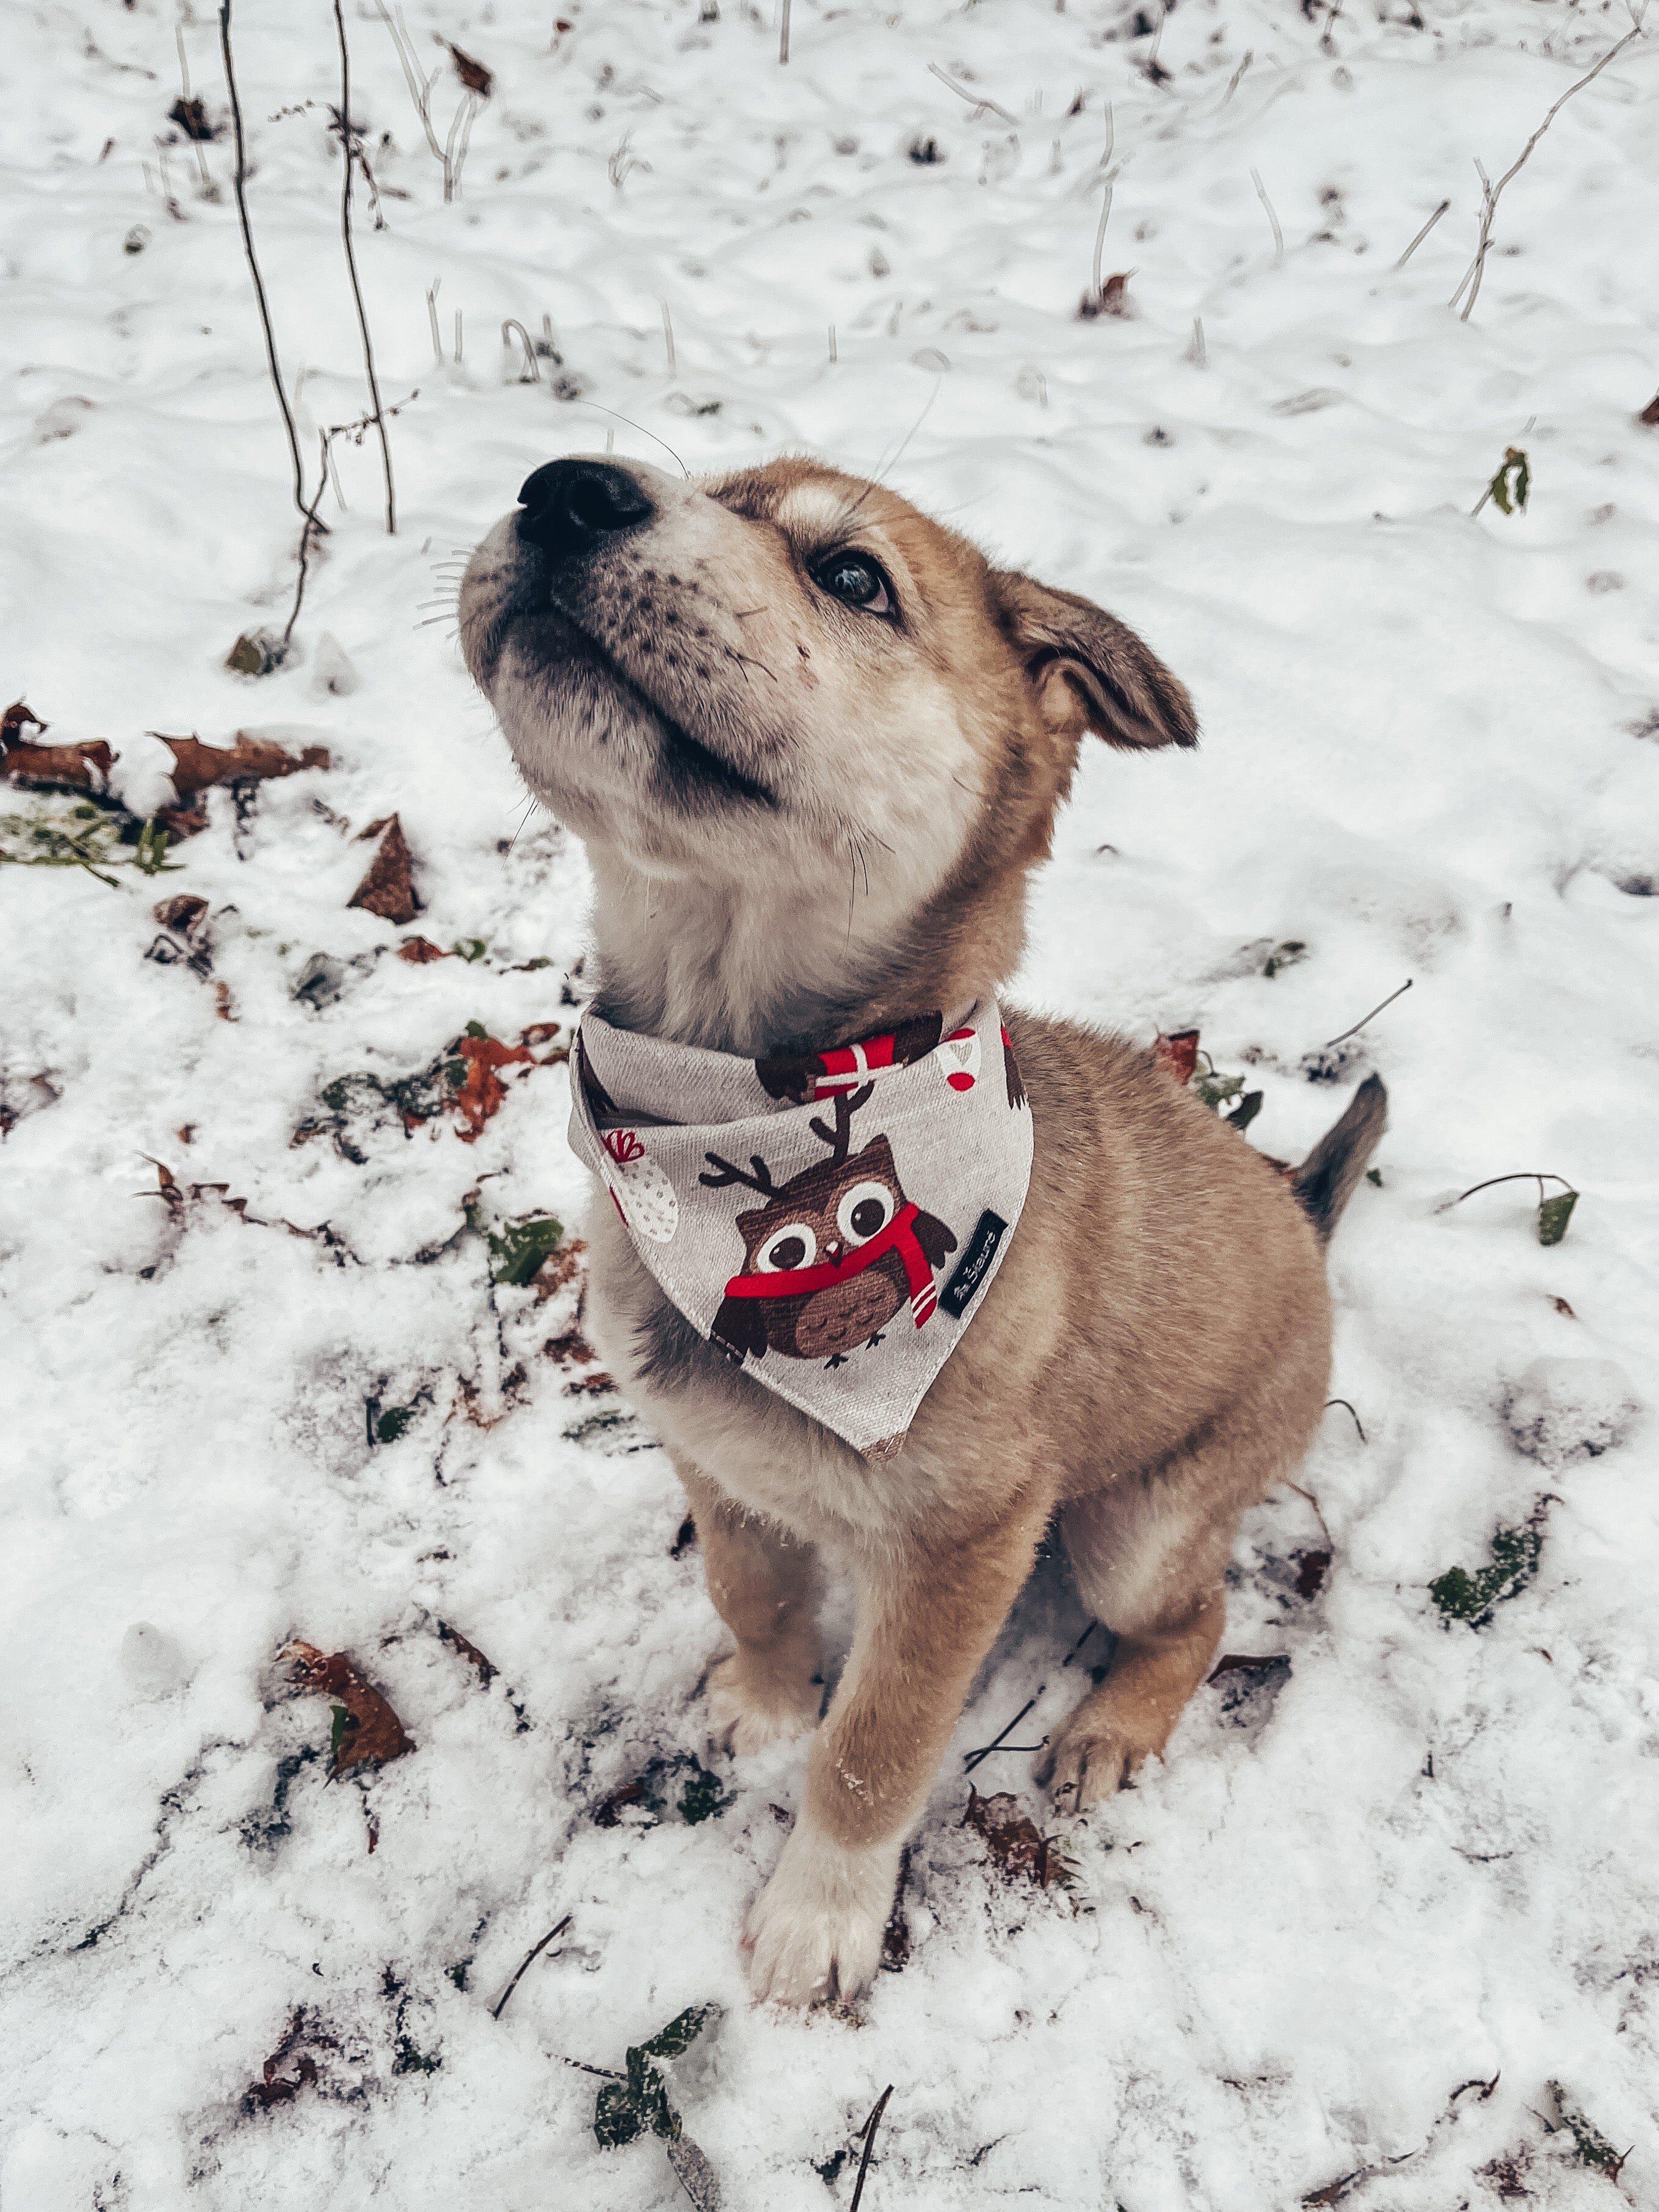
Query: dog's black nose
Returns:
{"type": "Point", "coordinates": [572, 507]}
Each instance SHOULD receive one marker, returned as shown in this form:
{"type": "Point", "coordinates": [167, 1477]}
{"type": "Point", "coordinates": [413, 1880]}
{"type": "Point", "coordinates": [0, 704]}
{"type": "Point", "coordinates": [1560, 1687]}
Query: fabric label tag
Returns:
{"type": "Point", "coordinates": [957, 1294]}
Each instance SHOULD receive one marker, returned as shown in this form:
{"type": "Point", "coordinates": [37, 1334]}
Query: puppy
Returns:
{"type": "Point", "coordinates": [814, 744]}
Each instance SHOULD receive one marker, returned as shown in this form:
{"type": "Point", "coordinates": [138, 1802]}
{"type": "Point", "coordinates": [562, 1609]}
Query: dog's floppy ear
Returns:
{"type": "Point", "coordinates": [1089, 671]}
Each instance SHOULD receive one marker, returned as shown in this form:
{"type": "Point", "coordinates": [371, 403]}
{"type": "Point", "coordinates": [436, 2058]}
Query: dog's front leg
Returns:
{"type": "Point", "coordinates": [764, 1586]}
{"type": "Point", "coordinates": [925, 1622]}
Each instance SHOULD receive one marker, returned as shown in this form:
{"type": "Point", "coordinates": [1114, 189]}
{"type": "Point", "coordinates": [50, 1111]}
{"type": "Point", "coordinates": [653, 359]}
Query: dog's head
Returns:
{"type": "Point", "coordinates": [784, 678]}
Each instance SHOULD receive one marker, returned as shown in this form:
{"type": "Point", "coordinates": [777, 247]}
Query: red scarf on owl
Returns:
{"type": "Point", "coordinates": [886, 1175]}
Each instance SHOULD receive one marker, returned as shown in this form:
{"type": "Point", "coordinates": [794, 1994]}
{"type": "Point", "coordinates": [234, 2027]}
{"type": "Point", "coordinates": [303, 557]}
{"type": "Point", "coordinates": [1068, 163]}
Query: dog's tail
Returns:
{"type": "Point", "coordinates": [1324, 1182]}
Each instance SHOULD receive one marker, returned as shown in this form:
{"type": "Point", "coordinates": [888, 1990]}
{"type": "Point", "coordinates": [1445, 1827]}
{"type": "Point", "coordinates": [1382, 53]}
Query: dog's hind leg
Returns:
{"type": "Point", "coordinates": [1150, 1553]}
{"type": "Point", "coordinates": [764, 1585]}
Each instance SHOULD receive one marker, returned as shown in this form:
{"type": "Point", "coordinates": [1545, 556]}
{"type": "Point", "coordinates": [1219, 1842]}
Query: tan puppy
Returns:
{"type": "Point", "coordinates": [814, 744]}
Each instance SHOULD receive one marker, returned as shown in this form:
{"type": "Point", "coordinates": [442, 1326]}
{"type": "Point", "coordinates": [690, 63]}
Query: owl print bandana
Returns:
{"type": "Point", "coordinates": [829, 1222]}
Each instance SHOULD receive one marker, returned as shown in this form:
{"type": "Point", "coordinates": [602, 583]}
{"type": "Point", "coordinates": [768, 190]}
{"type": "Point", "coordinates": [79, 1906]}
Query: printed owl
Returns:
{"type": "Point", "coordinates": [832, 1257]}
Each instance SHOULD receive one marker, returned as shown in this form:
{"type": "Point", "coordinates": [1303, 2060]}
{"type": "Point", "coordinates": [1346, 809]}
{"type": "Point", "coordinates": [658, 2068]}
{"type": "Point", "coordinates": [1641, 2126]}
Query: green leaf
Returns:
{"type": "Point", "coordinates": [1375, 1174]}
{"type": "Point", "coordinates": [394, 1423]}
{"type": "Point", "coordinates": [616, 2118]}
{"type": "Point", "coordinates": [474, 1030]}
{"type": "Point", "coordinates": [1593, 2148]}
{"type": "Point", "coordinates": [1246, 1110]}
{"type": "Point", "coordinates": [341, 1722]}
{"type": "Point", "coordinates": [520, 1246]}
{"type": "Point", "coordinates": [703, 1798]}
{"type": "Point", "coordinates": [471, 949]}
{"type": "Point", "coordinates": [1285, 956]}
{"type": "Point", "coordinates": [1513, 476]}
{"type": "Point", "coordinates": [1216, 1089]}
{"type": "Point", "coordinates": [1554, 1215]}
{"type": "Point", "coordinates": [1515, 1554]}
{"type": "Point", "coordinates": [681, 2032]}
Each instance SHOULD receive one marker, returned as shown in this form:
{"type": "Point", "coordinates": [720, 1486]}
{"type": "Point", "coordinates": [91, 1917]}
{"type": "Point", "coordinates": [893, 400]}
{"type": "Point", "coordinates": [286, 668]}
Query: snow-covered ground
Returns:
{"type": "Point", "coordinates": [1294, 1958]}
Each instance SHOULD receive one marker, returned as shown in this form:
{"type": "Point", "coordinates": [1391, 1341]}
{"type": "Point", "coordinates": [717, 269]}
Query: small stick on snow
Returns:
{"type": "Point", "coordinates": [1198, 353]}
{"type": "Point", "coordinates": [834, 355]}
{"type": "Point", "coordinates": [496, 2009]}
{"type": "Point", "coordinates": [783, 35]}
{"type": "Point", "coordinates": [457, 338]}
{"type": "Point", "coordinates": [1278, 235]}
{"type": "Point", "coordinates": [1422, 233]}
{"type": "Point", "coordinates": [1490, 193]}
{"type": "Point", "coordinates": [239, 183]}
{"type": "Point", "coordinates": [869, 2127]}
{"type": "Point", "coordinates": [668, 341]}
{"type": "Point", "coordinates": [972, 1760]}
{"type": "Point", "coordinates": [432, 312]}
{"type": "Point", "coordinates": [347, 148]}
{"type": "Point", "coordinates": [1371, 1017]}
{"type": "Point", "coordinates": [532, 367]}
{"type": "Point", "coordinates": [1235, 80]}
{"type": "Point", "coordinates": [980, 106]}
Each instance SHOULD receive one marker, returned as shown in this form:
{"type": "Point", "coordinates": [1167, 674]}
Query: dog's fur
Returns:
{"type": "Point", "coordinates": [808, 821]}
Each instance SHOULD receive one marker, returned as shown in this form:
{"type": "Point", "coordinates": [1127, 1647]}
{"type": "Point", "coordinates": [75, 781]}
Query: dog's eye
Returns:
{"type": "Point", "coordinates": [855, 580]}
{"type": "Point", "coordinates": [793, 1247]}
{"type": "Point", "coordinates": [865, 1211]}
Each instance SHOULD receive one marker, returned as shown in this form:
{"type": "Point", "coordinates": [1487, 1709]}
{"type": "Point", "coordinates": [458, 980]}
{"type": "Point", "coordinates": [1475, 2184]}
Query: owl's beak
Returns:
{"type": "Point", "coordinates": [832, 1250]}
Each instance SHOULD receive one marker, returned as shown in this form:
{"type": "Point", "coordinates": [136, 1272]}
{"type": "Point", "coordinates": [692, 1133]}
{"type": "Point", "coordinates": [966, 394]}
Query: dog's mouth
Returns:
{"type": "Point", "coordinates": [689, 769]}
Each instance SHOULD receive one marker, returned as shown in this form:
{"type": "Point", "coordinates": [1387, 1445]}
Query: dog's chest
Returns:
{"type": "Point", "coordinates": [764, 1454]}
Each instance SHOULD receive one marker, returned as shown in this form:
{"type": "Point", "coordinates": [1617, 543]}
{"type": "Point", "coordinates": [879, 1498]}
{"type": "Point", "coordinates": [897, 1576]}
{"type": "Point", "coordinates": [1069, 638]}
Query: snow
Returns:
{"type": "Point", "coordinates": [1423, 1862]}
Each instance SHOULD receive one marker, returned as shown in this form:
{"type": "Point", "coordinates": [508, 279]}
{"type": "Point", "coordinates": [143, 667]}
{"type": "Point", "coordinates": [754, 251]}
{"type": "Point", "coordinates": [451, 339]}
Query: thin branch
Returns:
{"type": "Point", "coordinates": [869, 2127]}
{"type": "Point", "coordinates": [783, 34]}
{"type": "Point", "coordinates": [1236, 79]}
{"type": "Point", "coordinates": [496, 2009]}
{"type": "Point", "coordinates": [308, 530]}
{"type": "Point", "coordinates": [349, 150]}
{"type": "Point", "coordinates": [240, 186]}
{"type": "Point", "coordinates": [1278, 235]}
{"type": "Point", "coordinates": [980, 106]}
{"type": "Point", "coordinates": [973, 1760]}
{"type": "Point", "coordinates": [1374, 1012]}
{"type": "Point", "coordinates": [1521, 1175]}
{"type": "Point", "coordinates": [1357, 1423]}
{"type": "Point", "coordinates": [1422, 233]}
{"type": "Point", "coordinates": [1490, 193]}
{"type": "Point", "coordinates": [532, 368]}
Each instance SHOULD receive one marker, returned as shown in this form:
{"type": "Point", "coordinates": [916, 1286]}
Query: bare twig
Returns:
{"type": "Point", "coordinates": [1235, 80]}
{"type": "Point", "coordinates": [1422, 233]}
{"type": "Point", "coordinates": [432, 312]}
{"type": "Point", "coordinates": [1521, 1175]}
{"type": "Point", "coordinates": [1357, 1423]}
{"type": "Point", "coordinates": [349, 150]}
{"type": "Point", "coordinates": [532, 368]}
{"type": "Point", "coordinates": [668, 341]}
{"type": "Point", "coordinates": [1374, 1012]}
{"type": "Point", "coordinates": [979, 105]}
{"type": "Point", "coordinates": [1197, 352]}
{"type": "Point", "coordinates": [783, 34]}
{"type": "Point", "coordinates": [869, 2132]}
{"type": "Point", "coordinates": [1278, 235]}
{"type": "Point", "coordinates": [1309, 1495]}
{"type": "Point", "coordinates": [240, 186]}
{"type": "Point", "coordinates": [834, 355]}
{"type": "Point", "coordinates": [972, 1760]}
{"type": "Point", "coordinates": [1491, 194]}
{"type": "Point", "coordinates": [495, 2010]}
{"type": "Point", "coordinates": [447, 156]}
{"type": "Point", "coordinates": [1079, 1645]}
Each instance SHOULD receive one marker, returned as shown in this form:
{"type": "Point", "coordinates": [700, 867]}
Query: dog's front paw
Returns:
{"type": "Point", "coordinates": [815, 1930]}
{"type": "Point", "coordinates": [1090, 1758]}
{"type": "Point", "coordinates": [749, 1707]}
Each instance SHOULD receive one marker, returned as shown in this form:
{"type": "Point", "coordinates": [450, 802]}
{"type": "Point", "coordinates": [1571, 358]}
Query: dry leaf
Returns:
{"type": "Point", "coordinates": [275, 2088]}
{"type": "Point", "coordinates": [1650, 413]}
{"type": "Point", "coordinates": [482, 1093]}
{"type": "Point", "coordinates": [86, 763]}
{"type": "Point", "coordinates": [473, 75]}
{"type": "Point", "coordinates": [183, 914]}
{"type": "Point", "coordinates": [196, 766]}
{"type": "Point", "coordinates": [388, 888]}
{"type": "Point", "coordinates": [1177, 1055]}
{"type": "Point", "coordinates": [364, 1728]}
{"type": "Point", "coordinates": [420, 951]}
{"type": "Point", "coordinates": [1013, 1842]}
{"type": "Point", "coordinates": [1238, 1663]}
{"type": "Point", "coordinates": [469, 1651]}
{"type": "Point", "coordinates": [1311, 1570]}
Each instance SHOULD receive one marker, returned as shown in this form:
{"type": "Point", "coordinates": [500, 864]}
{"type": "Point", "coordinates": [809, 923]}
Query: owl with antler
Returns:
{"type": "Point", "coordinates": [833, 1255]}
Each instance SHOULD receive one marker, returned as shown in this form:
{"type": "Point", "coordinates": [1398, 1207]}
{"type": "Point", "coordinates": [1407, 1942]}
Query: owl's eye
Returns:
{"type": "Point", "coordinates": [865, 1211]}
{"type": "Point", "coordinates": [856, 581]}
{"type": "Point", "coordinates": [787, 1249]}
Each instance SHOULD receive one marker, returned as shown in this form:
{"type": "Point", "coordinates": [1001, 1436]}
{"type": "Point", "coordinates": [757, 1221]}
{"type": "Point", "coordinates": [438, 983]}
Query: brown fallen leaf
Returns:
{"type": "Point", "coordinates": [481, 1095]}
{"type": "Point", "coordinates": [185, 913]}
{"type": "Point", "coordinates": [196, 766]}
{"type": "Point", "coordinates": [598, 1384]}
{"type": "Point", "coordinates": [420, 951]}
{"type": "Point", "coordinates": [1177, 1055]}
{"type": "Point", "coordinates": [1238, 1663]}
{"type": "Point", "coordinates": [86, 763]}
{"type": "Point", "coordinates": [192, 118]}
{"type": "Point", "coordinates": [1013, 1842]}
{"type": "Point", "coordinates": [572, 1346]}
{"type": "Point", "coordinates": [469, 1651]}
{"type": "Point", "coordinates": [365, 1726]}
{"type": "Point", "coordinates": [388, 888]}
{"type": "Point", "coordinates": [607, 1813]}
{"type": "Point", "coordinates": [1112, 299]}
{"type": "Point", "coordinates": [473, 75]}
{"type": "Point", "coordinates": [1311, 1573]}
{"type": "Point", "coordinates": [1650, 413]}
{"type": "Point", "coordinates": [1562, 1307]}
{"type": "Point", "coordinates": [552, 1276]}
{"type": "Point", "coordinates": [275, 2088]}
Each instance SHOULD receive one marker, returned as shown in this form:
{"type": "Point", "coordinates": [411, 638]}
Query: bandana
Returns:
{"type": "Point", "coordinates": [829, 1221]}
